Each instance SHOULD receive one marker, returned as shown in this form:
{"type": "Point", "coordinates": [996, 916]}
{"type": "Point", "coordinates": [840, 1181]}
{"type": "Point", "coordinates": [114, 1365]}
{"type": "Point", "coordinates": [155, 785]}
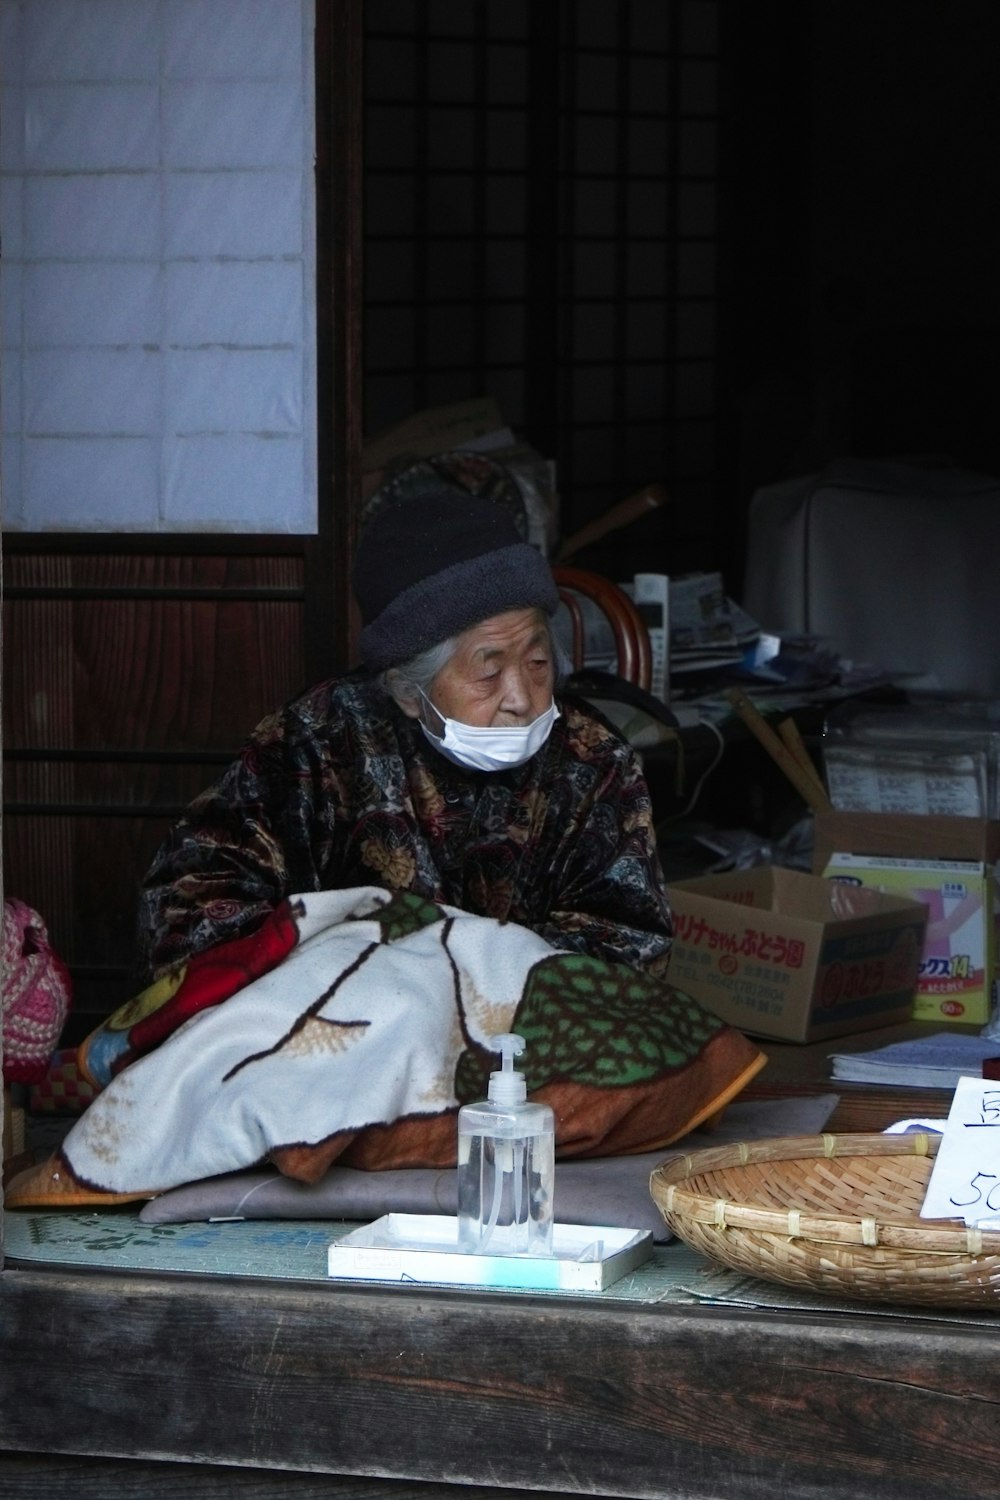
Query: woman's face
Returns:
{"type": "Point", "coordinates": [501, 675]}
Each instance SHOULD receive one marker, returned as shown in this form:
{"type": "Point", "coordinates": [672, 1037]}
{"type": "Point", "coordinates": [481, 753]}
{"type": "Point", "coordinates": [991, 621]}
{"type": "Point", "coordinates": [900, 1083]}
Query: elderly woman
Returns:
{"type": "Point", "coordinates": [448, 765]}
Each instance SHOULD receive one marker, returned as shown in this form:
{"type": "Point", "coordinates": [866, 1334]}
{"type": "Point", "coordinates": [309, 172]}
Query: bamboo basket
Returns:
{"type": "Point", "coordinates": [832, 1213]}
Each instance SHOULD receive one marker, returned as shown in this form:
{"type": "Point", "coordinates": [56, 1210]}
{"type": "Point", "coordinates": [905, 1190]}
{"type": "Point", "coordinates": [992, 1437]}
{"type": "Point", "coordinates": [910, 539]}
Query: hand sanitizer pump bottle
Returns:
{"type": "Point", "coordinates": [506, 1165]}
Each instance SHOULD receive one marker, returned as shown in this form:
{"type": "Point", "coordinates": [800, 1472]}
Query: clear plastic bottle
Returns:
{"type": "Point", "coordinates": [506, 1165]}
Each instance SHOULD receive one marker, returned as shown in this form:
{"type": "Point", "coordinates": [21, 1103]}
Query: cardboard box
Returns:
{"type": "Point", "coordinates": [782, 954]}
{"type": "Point", "coordinates": [950, 865]}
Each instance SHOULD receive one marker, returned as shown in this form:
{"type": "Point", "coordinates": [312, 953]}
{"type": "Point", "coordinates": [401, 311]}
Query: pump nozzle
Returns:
{"type": "Point", "coordinates": [506, 1086]}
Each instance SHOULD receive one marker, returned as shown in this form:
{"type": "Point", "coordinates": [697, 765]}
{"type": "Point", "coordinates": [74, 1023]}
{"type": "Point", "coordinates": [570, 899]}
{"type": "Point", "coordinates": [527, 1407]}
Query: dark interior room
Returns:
{"type": "Point", "coordinates": [712, 245]}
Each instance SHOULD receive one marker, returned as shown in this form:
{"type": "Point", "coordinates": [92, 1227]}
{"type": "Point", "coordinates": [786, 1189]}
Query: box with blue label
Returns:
{"type": "Point", "coordinates": [779, 953]}
{"type": "Point", "coordinates": [948, 863]}
{"type": "Point", "coordinates": [424, 1248]}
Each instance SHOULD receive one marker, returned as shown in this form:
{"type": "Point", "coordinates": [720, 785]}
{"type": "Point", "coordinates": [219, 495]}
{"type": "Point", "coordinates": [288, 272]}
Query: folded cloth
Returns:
{"type": "Point", "coordinates": [608, 1190]}
{"type": "Point", "coordinates": [363, 1040]}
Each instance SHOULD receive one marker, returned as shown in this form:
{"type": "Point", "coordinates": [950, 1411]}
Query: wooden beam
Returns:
{"type": "Point", "coordinates": [446, 1386]}
{"type": "Point", "coordinates": [330, 620]}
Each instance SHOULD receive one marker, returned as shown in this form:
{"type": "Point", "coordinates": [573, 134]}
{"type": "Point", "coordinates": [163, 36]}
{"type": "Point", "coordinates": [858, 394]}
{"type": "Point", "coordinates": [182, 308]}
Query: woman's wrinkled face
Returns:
{"type": "Point", "coordinates": [500, 676]}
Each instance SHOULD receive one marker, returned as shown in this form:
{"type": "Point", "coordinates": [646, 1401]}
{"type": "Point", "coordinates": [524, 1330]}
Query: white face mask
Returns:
{"type": "Point", "coordinates": [490, 749]}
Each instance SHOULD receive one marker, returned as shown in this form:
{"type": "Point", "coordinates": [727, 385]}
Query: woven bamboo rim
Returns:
{"type": "Point", "coordinates": [838, 1212]}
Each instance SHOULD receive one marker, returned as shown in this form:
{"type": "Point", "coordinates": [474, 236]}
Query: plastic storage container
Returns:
{"type": "Point", "coordinates": [506, 1165]}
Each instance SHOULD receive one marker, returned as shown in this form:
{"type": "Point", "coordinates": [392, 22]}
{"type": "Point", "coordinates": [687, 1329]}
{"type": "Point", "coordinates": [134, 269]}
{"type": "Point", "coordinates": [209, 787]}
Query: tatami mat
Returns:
{"type": "Point", "coordinates": [296, 1250]}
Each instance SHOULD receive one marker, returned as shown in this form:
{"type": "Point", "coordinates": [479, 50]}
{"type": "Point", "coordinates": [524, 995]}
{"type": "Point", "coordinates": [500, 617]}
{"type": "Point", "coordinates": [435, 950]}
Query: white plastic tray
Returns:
{"type": "Point", "coordinates": [424, 1248]}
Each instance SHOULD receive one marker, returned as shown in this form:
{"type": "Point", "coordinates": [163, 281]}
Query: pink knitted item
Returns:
{"type": "Point", "coordinates": [36, 994]}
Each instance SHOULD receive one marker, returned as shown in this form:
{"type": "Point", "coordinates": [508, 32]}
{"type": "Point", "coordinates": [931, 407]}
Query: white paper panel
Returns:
{"type": "Point", "coordinates": [229, 123]}
{"type": "Point", "coordinates": [91, 302]}
{"type": "Point", "coordinates": [91, 127]}
{"type": "Point", "coordinates": [254, 475]}
{"type": "Point", "coordinates": [244, 214]}
{"type": "Point", "coordinates": [91, 484]}
{"type": "Point", "coordinates": [230, 39]}
{"type": "Point", "coordinates": [156, 209]}
{"type": "Point", "coordinates": [206, 302]}
{"type": "Point", "coordinates": [102, 40]}
{"type": "Point", "coordinates": [114, 214]}
{"type": "Point", "coordinates": [114, 392]}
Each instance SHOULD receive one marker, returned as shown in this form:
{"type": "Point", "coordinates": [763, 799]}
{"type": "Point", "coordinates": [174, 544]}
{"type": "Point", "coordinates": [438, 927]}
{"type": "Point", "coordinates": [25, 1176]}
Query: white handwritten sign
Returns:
{"type": "Point", "coordinates": [965, 1181]}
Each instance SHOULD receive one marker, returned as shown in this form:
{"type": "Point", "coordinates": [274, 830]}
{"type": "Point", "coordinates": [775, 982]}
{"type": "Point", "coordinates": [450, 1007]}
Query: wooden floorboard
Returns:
{"type": "Point", "coordinates": [444, 1387]}
{"type": "Point", "coordinates": [42, 1476]}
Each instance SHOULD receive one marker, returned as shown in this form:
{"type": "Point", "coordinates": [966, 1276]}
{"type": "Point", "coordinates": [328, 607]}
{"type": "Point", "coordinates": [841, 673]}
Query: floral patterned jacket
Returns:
{"type": "Point", "coordinates": [340, 788]}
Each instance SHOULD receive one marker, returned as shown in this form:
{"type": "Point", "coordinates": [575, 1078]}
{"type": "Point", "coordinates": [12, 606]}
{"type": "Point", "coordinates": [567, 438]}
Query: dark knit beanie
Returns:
{"type": "Point", "coordinates": [429, 567]}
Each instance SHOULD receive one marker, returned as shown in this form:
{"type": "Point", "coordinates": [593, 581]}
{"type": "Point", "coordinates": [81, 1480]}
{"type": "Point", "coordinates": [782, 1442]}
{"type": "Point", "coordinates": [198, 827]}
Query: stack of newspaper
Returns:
{"type": "Point", "coordinates": [707, 629]}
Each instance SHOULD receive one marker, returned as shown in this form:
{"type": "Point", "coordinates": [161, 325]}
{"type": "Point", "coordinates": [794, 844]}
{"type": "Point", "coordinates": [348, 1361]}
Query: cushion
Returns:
{"type": "Point", "coordinates": [612, 1191]}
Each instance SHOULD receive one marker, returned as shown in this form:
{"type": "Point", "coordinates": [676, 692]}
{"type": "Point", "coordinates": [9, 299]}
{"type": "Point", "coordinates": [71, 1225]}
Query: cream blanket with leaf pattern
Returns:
{"type": "Point", "coordinates": [363, 1038]}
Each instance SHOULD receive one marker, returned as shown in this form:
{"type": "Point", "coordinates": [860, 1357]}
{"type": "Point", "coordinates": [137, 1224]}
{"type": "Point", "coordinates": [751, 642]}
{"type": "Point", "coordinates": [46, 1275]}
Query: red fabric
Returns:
{"type": "Point", "coordinates": [36, 994]}
{"type": "Point", "coordinates": [213, 976]}
{"type": "Point", "coordinates": [62, 1090]}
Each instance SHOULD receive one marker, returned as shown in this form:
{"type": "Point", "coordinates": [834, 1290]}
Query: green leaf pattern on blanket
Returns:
{"type": "Point", "coordinates": [608, 1025]}
{"type": "Point", "coordinates": [599, 1024]}
{"type": "Point", "coordinates": [406, 913]}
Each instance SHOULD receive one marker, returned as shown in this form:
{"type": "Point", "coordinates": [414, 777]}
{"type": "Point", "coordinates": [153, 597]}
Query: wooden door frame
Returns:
{"type": "Point", "coordinates": [330, 620]}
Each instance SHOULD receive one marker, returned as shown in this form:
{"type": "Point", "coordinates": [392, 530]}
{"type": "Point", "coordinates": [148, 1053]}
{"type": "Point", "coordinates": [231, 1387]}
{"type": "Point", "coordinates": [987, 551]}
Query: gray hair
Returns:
{"type": "Point", "coordinates": [406, 682]}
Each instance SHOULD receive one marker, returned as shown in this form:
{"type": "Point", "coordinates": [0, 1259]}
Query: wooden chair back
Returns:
{"type": "Point", "coordinates": [635, 658]}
